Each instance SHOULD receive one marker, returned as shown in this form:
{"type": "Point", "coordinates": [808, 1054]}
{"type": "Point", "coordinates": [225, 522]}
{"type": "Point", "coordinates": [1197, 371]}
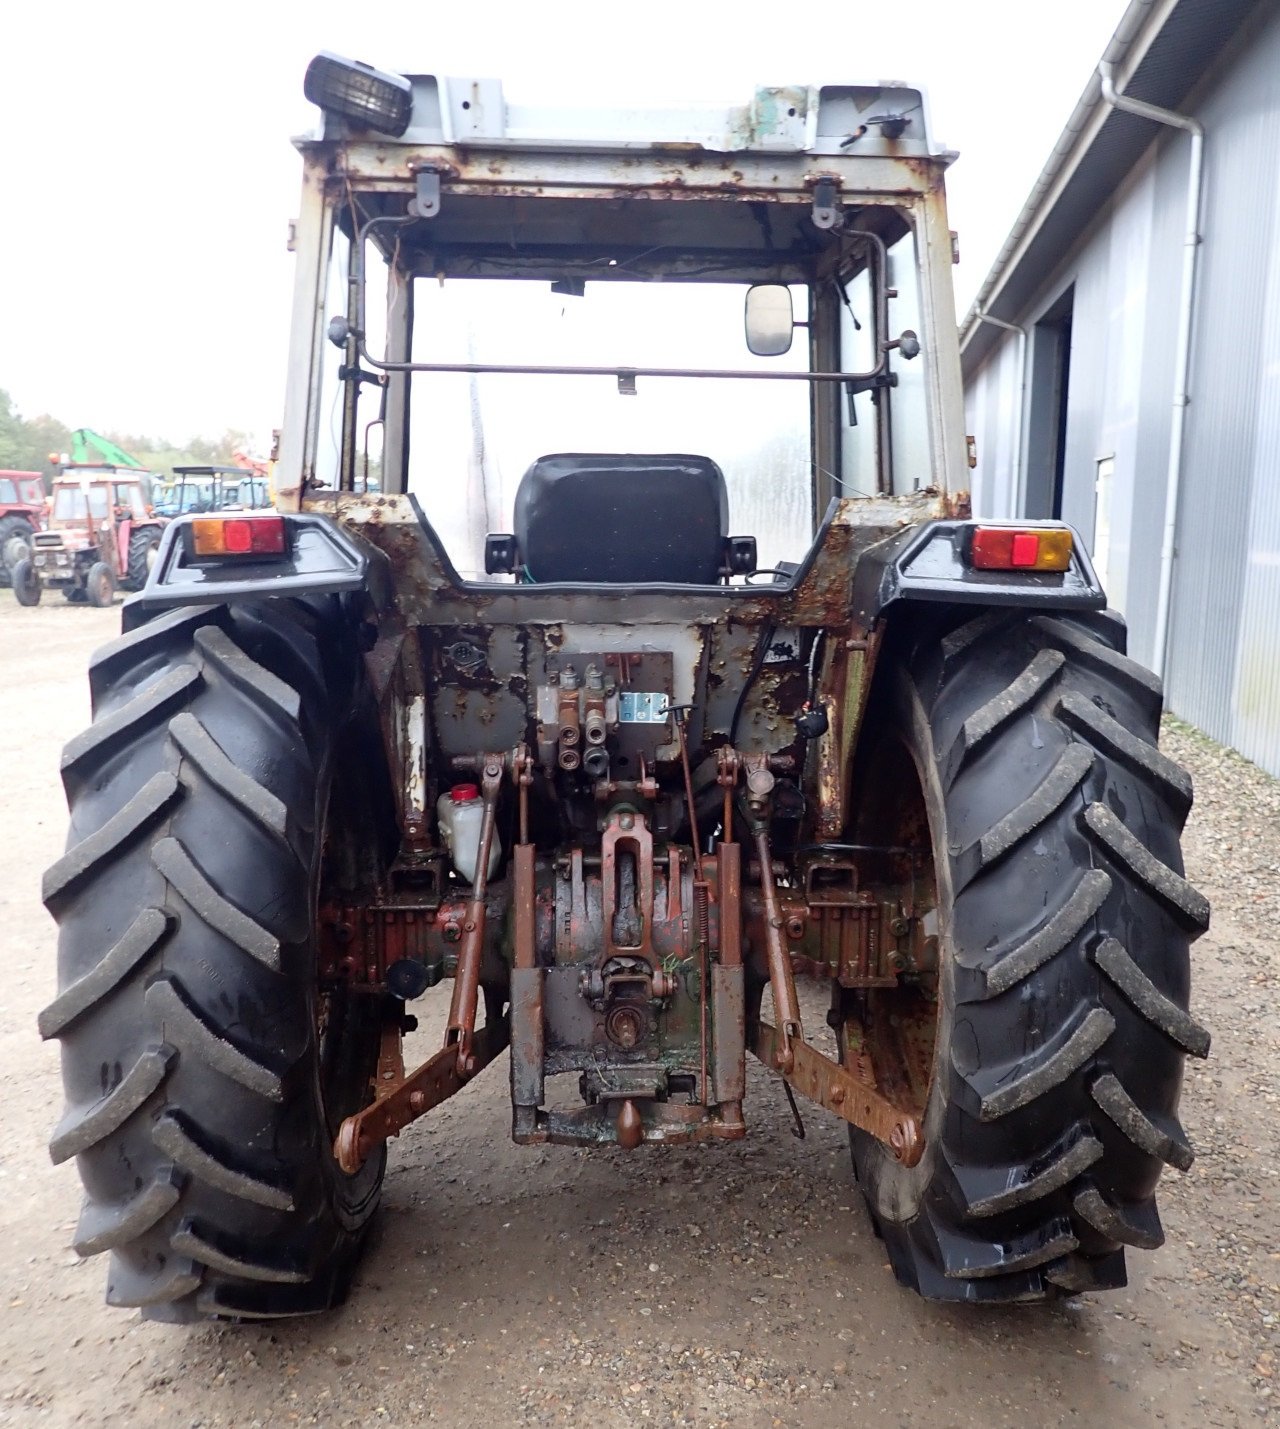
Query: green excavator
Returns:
{"type": "Point", "coordinates": [88, 448]}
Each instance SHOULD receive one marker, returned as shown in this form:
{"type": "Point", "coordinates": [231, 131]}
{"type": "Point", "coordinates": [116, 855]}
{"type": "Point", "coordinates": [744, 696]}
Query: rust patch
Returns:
{"type": "Point", "coordinates": [958, 505]}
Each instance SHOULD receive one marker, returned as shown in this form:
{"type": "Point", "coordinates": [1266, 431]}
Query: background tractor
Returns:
{"type": "Point", "coordinates": [201, 489]}
{"type": "Point", "coordinates": [101, 536]}
{"type": "Point", "coordinates": [666, 700]}
{"type": "Point", "coordinates": [22, 514]}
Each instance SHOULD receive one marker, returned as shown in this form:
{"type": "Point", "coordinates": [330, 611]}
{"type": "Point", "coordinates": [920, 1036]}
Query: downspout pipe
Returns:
{"type": "Point", "coordinates": [1019, 474]}
{"type": "Point", "coordinates": [1182, 349]}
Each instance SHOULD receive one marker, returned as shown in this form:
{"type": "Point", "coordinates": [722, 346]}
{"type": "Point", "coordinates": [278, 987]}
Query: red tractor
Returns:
{"type": "Point", "coordinates": [22, 514]}
{"type": "Point", "coordinates": [102, 535]}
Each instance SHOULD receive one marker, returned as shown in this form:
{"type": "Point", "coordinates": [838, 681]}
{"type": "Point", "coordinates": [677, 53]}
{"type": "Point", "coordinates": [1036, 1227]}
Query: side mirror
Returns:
{"type": "Point", "coordinates": [769, 319]}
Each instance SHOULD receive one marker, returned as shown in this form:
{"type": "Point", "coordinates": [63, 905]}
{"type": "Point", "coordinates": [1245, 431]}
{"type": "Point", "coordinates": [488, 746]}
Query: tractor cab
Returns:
{"type": "Point", "coordinates": [200, 490]}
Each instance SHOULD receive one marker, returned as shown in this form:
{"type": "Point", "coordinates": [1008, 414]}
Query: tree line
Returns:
{"type": "Point", "coordinates": [26, 442]}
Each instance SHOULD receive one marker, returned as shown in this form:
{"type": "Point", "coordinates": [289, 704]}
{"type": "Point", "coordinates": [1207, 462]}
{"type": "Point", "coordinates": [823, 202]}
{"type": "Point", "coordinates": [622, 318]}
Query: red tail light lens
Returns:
{"type": "Point", "coordinates": [1012, 548]}
{"type": "Point", "coordinates": [237, 536]}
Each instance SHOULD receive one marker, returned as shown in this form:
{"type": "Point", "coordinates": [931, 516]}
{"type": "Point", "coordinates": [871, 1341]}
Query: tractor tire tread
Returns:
{"type": "Point", "coordinates": [272, 693]}
{"type": "Point", "coordinates": [184, 875]}
{"type": "Point", "coordinates": [1026, 956]}
{"type": "Point", "coordinates": [1125, 848]}
{"type": "Point", "coordinates": [1109, 736]}
{"type": "Point", "coordinates": [1170, 1146]}
{"type": "Point", "coordinates": [168, 1004]}
{"type": "Point", "coordinates": [1052, 1110]}
{"type": "Point", "coordinates": [1139, 1226]}
{"type": "Point", "coordinates": [201, 1245]}
{"type": "Point", "coordinates": [1177, 1025]}
{"type": "Point", "coordinates": [140, 940]}
{"type": "Point", "coordinates": [174, 1138]}
{"type": "Point", "coordinates": [84, 755]}
{"type": "Point", "coordinates": [82, 1127]}
{"type": "Point", "coordinates": [1047, 1068]}
{"type": "Point", "coordinates": [105, 1225]}
{"type": "Point", "coordinates": [1000, 709]}
{"type": "Point", "coordinates": [195, 812]}
{"type": "Point", "coordinates": [86, 858]}
{"type": "Point", "coordinates": [208, 756]}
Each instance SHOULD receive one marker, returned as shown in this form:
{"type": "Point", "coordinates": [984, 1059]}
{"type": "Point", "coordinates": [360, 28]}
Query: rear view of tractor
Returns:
{"type": "Point", "coordinates": [666, 676]}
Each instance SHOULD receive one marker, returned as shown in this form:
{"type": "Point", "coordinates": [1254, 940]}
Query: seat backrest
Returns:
{"type": "Point", "coordinates": [622, 519]}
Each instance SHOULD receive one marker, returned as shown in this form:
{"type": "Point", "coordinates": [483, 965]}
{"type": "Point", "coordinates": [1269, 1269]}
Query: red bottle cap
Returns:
{"type": "Point", "coordinates": [464, 793]}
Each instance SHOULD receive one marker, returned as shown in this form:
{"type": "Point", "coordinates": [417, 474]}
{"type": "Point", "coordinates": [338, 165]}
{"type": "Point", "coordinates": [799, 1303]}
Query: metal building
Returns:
{"type": "Point", "coordinates": [1122, 358]}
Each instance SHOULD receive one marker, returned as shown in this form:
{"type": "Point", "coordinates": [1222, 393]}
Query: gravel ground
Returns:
{"type": "Point", "coordinates": [732, 1285]}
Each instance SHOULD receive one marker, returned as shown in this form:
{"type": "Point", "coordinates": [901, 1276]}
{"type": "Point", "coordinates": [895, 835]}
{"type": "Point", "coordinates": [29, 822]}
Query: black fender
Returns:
{"type": "Point", "coordinates": [320, 558]}
{"type": "Point", "coordinates": [927, 563]}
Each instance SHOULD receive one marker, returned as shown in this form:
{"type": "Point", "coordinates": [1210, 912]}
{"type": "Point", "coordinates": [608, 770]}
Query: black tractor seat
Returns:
{"type": "Point", "coordinates": [613, 519]}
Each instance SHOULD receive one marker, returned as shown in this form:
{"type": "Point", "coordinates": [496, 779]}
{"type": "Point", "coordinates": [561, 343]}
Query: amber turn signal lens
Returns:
{"type": "Point", "coordinates": [237, 536]}
{"type": "Point", "coordinates": [1010, 548]}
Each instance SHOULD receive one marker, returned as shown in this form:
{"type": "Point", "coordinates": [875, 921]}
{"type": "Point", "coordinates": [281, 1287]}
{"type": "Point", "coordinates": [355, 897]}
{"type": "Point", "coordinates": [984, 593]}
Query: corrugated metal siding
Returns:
{"type": "Point", "coordinates": [1087, 387]}
{"type": "Point", "coordinates": [1113, 273]}
{"type": "Point", "coordinates": [1257, 679]}
{"type": "Point", "coordinates": [1155, 409]}
{"type": "Point", "coordinates": [1223, 670]}
{"type": "Point", "coordinates": [1223, 462]}
{"type": "Point", "coordinates": [991, 412]}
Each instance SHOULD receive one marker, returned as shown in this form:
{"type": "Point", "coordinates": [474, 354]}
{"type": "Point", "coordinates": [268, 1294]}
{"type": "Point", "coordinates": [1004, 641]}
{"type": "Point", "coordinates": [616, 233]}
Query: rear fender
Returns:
{"type": "Point", "coordinates": [320, 559]}
{"type": "Point", "coordinates": [925, 563]}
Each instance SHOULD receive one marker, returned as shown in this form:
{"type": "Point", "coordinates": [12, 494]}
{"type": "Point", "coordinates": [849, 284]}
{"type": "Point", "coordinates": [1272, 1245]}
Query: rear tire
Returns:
{"type": "Point", "coordinates": [1065, 925]}
{"type": "Point", "coordinates": [204, 1076]}
{"type": "Point", "coordinates": [15, 532]}
{"type": "Point", "coordinates": [143, 546]}
{"type": "Point", "coordinates": [26, 583]}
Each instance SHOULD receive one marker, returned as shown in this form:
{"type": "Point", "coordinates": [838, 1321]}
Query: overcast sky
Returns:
{"type": "Point", "coordinates": [150, 179]}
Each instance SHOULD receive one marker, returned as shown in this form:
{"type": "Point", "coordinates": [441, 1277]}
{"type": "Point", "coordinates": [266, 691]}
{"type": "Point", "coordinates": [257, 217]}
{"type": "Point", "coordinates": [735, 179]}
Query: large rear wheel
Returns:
{"type": "Point", "coordinates": [1045, 1059]}
{"type": "Point", "coordinates": [15, 544]}
{"type": "Point", "coordinates": [144, 544]}
{"type": "Point", "coordinates": [205, 1075]}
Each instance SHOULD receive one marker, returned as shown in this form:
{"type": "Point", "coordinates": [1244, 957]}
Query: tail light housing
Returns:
{"type": "Point", "coordinates": [1019, 548]}
{"type": "Point", "coordinates": [231, 537]}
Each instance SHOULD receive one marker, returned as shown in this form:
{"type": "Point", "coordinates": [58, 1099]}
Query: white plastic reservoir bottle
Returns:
{"type": "Point", "coordinates": [461, 812]}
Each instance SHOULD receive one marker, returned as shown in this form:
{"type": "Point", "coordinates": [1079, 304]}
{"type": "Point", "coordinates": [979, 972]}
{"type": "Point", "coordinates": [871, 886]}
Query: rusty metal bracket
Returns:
{"type": "Point", "coordinates": [406, 1100]}
{"type": "Point", "coordinates": [838, 1090]}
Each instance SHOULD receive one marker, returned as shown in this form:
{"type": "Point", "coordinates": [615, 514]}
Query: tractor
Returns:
{"type": "Point", "coordinates": [666, 701]}
{"type": "Point", "coordinates": [200, 489]}
{"type": "Point", "coordinates": [102, 535]}
{"type": "Point", "coordinates": [22, 514]}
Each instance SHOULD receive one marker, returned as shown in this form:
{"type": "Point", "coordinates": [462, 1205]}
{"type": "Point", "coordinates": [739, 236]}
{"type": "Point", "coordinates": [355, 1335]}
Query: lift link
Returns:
{"type": "Point", "coordinates": [783, 1048]}
{"type": "Point", "coordinates": [400, 1099]}
{"type": "Point", "coordinates": [782, 981]}
{"type": "Point", "coordinates": [839, 1090]}
{"type": "Point", "coordinates": [466, 985]}
{"type": "Point", "coordinates": [434, 1082]}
